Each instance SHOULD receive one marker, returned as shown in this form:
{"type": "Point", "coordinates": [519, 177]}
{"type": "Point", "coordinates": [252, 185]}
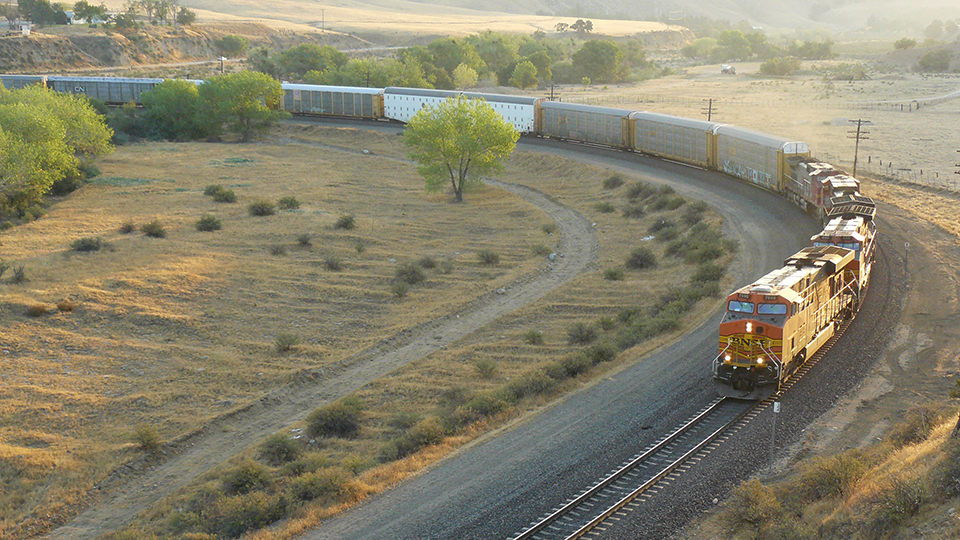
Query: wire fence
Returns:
{"type": "Point", "coordinates": [889, 170]}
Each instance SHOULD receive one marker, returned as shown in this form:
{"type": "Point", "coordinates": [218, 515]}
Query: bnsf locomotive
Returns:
{"type": "Point", "coordinates": [771, 326]}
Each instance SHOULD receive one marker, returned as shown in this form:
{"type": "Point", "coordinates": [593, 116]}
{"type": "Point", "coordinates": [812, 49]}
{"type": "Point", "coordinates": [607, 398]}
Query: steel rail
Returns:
{"type": "Point", "coordinates": [632, 465]}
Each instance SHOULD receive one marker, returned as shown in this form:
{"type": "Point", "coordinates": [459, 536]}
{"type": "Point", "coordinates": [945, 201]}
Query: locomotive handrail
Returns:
{"type": "Point", "coordinates": [717, 362]}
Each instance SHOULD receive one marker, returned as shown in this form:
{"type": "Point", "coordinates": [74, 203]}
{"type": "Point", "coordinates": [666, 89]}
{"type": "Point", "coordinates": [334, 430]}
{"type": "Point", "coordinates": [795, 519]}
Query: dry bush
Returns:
{"type": "Point", "coordinates": [346, 223]}
{"type": "Point", "coordinates": [279, 449]}
{"type": "Point", "coordinates": [918, 423]}
{"type": "Point", "coordinates": [304, 240]}
{"type": "Point", "coordinates": [533, 336]}
{"type": "Point", "coordinates": [338, 419]}
{"type": "Point", "coordinates": [66, 306]}
{"type": "Point", "coordinates": [127, 227]}
{"type": "Point", "coordinates": [85, 245]}
{"type": "Point", "coordinates": [208, 223]}
{"type": "Point", "coordinates": [333, 263]}
{"type": "Point", "coordinates": [613, 181]}
{"type": "Point", "coordinates": [549, 228]}
{"type": "Point", "coordinates": [641, 258]}
{"type": "Point", "coordinates": [410, 273]}
{"type": "Point", "coordinates": [230, 517]}
{"type": "Point", "coordinates": [332, 483]}
{"type": "Point", "coordinates": [898, 501]}
{"type": "Point", "coordinates": [486, 367]}
{"type": "Point", "coordinates": [581, 334]}
{"type": "Point", "coordinates": [288, 203]}
{"type": "Point", "coordinates": [832, 476]}
{"type": "Point", "coordinates": [750, 508]}
{"type": "Point", "coordinates": [147, 438]}
{"type": "Point", "coordinates": [399, 289]}
{"type": "Point", "coordinates": [37, 310]}
{"type": "Point", "coordinates": [153, 229]}
{"type": "Point", "coordinates": [246, 477]}
{"type": "Point", "coordinates": [261, 207]}
{"type": "Point", "coordinates": [285, 342]}
{"type": "Point", "coordinates": [613, 274]}
{"type": "Point", "coordinates": [425, 433]}
{"type": "Point", "coordinates": [488, 257]}
{"type": "Point", "coordinates": [278, 250]}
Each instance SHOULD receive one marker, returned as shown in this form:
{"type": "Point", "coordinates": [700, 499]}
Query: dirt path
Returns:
{"type": "Point", "coordinates": [140, 485]}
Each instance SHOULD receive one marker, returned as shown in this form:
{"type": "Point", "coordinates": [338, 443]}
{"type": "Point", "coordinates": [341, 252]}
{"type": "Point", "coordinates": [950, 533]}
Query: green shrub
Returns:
{"type": "Point", "coordinates": [230, 517]}
{"type": "Point", "coordinates": [403, 420]}
{"type": "Point", "coordinates": [410, 273]}
{"type": "Point", "coordinates": [34, 212]}
{"type": "Point", "coordinates": [488, 257]}
{"type": "Point", "coordinates": [484, 405]}
{"type": "Point", "coordinates": [288, 203]}
{"type": "Point", "coordinates": [153, 229]}
{"type": "Point", "coordinates": [531, 384]}
{"type": "Point", "coordinates": [262, 207]}
{"type": "Point", "coordinates": [6, 225]}
{"type": "Point", "coordinates": [285, 342]}
{"type": "Point", "coordinates": [278, 250]}
{"type": "Point", "coordinates": [304, 240]}
{"type": "Point", "coordinates": [346, 222]}
{"type": "Point", "coordinates": [641, 258]}
{"type": "Point", "coordinates": [556, 371]}
{"type": "Point", "coordinates": [399, 288]}
{"type": "Point", "coordinates": [668, 234]}
{"type": "Point", "coordinates": [359, 246]}
{"type": "Point", "coordinates": [227, 196]}
{"type": "Point", "coordinates": [549, 228]}
{"type": "Point", "coordinates": [602, 352]}
{"type": "Point", "coordinates": [427, 262]}
{"type": "Point", "coordinates": [37, 310]}
{"type": "Point", "coordinates": [212, 190]}
{"type": "Point", "coordinates": [208, 223]}
{"type": "Point", "coordinates": [580, 334]}
{"type": "Point", "coordinates": [306, 463]}
{"type": "Point", "coordinates": [605, 207]}
{"type": "Point", "coordinates": [575, 364]}
{"type": "Point", "coordinates": [613, 274]}
{"type": "Point", "coordinates": [901, 499]}
{"type": "Point", "coordinates": [606, 323]}
{"type": "Point", "coordinates": [278, 449]}
{"type": "Point", "coordinates": [540, 250]}
{"type": "Point", "coordinates": [338, 419]}
{"type": "Point", "coordinates": [87, 244]}
{"type": "Point", "coordinates": [147, 438]}
{"type": "Point", "coordinates": [640, 191]}
{"type": "Point", "coordinates": [634, 210]}
{"type": "Point", "coordinates": [446, 266]}
{"type": "Point", "coordinates": [333, 263]}
{"type": "Point", "coordinates": [693, 213]}
{"type": "Point", "coordinates": [330, 483]}
{"type": "Point", "coordinates": [425, 433]}
{"type": "Point", "coordinates": [248, 476]}
{"type": "Point", "coordinates": [533, 336]}
{"type": "Point", "coordinates": [613, 181]}
{"type": "Point", "coordinates": [127, 227]}
{"type": "Point", "coordinates": [486, 367]}
{"type": "Point", "coordinates": [708, 272]}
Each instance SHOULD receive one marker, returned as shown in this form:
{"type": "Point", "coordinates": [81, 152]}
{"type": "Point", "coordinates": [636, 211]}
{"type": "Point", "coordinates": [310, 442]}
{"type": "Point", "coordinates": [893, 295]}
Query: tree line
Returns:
{"type": "Point", "coordinates": [45, 13]}
{"type": "Point", "coordinates": [490, 58]}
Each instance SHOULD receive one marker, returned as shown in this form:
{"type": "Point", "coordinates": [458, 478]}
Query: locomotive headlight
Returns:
{"type": "Point", "coordinates": [760, 360]}
{"type": "Point", "coordinates": [726, 358]}
{"type": "Point", "coordinates": [749, 327]}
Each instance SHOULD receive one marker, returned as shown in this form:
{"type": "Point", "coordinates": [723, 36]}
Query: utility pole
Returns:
{"type": "Point", "coordinates": [708, 110]}
{"type": "Point", "coordinates": [957, 172]}
{"type": "Point", "coordinates": [859, 135]}
{"type": "Point", "coordinates": [553, 97]}
{"type": "Point", "coordinates": [322, 20]}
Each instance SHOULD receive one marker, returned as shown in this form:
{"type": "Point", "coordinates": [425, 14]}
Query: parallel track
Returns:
{"type": "Point", "coordinates": [619, 488]}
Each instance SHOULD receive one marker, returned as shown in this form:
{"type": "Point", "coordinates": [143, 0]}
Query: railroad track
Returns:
{"type": "Point", "coordinates": [640, 473]}
{"type": "Point", "coordinates": [622, 486]}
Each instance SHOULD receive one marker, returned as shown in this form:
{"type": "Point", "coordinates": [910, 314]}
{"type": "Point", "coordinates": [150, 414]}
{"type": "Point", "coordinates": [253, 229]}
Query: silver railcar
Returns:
{"type": "Point", "coordinates": [587, 123]}
{"type": "Point", "coordinates": [12, 82]}
{"type": "Point", "coordinates": [756, 157]}
{"type": "Point", "coordinates": [672, 137]}
{"type": "Point", "coordinates": [348, 101]}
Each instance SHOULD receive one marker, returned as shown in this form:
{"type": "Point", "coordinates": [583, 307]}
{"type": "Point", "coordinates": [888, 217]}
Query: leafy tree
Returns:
{"type": "Point", "coordinates": [264, 60]}
{"type": "Point", "coordinates": [562, 27]}
{"type": "Point", "coordinates": [700, 48]}
{"type": "Point", "coordinates": [903, 44]}
{"type": "Point", "coordinates": [733, 45]}
{"type": "Point", "coordinates": [246, 102]}
{"type": "Point", "coordinates": [448, 53]}
{"type": "Point", "coordinates": [497, 50]}
{"type": "Point", "coordinates": [458, 141]}
{"type": "Point", "coordinates": [811, 50]}
{"type": "Point", "coordinates": [464, 76]}
{"type": "Point", "coordinates": [935, 61]}
{"type": "Point", "coordinates": [232, 45]}
{"type": "Point", "coordinates": [88, 12]}
{"type": "Point", "coordinates": [172, 111]}
{"type": "Point", "coordinates": [186, 17]}
{"type": "Point", "coordinates": [44, 135]}
{"type": "Point", "coordinates": [306, 57]}
{"type": "Point", "coordinates": [41, 12]}
{"type": "Point", "coordinates": [525, 75]}
{"type": "Point", "coordinates": [934, 30]}
{"type": "Point", "coordinates": [600, 61]}
{"type": "Point", "coordinates": [373, 73]}
{"type": "Point", "coordinates": [542, 61]}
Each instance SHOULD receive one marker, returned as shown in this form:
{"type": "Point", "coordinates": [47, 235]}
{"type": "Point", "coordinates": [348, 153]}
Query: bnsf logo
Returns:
{"type": "Point", "coordinates": [747, 342]}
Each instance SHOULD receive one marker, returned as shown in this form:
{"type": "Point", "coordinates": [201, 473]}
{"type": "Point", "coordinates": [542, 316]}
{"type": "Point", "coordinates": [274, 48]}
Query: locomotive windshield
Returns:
{"type": "Point", "coordinates": [772, 309]}
{"type": "Point", "coordinates": [740, 307]}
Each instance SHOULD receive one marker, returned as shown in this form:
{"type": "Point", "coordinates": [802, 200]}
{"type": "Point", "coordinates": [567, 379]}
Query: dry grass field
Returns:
{"type": "Point", "coordinates": [172, 332]}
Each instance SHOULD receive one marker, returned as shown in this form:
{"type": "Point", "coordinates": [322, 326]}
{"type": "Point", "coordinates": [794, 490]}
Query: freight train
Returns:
{"type": "Point", "coordinates": [771, 326]}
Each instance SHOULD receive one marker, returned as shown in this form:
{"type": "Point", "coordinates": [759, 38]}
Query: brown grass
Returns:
{"type": "Point", "coordinates": [204, 310]}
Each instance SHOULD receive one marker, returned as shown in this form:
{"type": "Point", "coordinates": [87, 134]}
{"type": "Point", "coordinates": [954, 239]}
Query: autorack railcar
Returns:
{"type": "Point", "coordinates": [680, 139]}
{"type": "Point", "coordinates": [345, 101]}
{"type": "Point", "coordinates": [589, 124]}
{"type": "Point", "coordinates": [12, 82]}
{"type": "Point", "coordinates": [401, 104]}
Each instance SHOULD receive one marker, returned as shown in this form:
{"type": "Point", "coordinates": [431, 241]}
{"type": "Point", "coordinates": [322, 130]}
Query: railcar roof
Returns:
{"type": "Point", "coordinates": [103, 79]}
{"type": "Point", "coordinates": [807, 262]}
{"type": "Point", "coordinates": [499, 98]}
{"type": "Point", "coordinates": [793, 147]}
{"type": "Point", "coordinates": [841, 227]}
{"type": "Point", "coordinates": [586, 108]}
{"type": "Point", "coordinates": [326, 88]}
{"type": "Point", "coordinates": [675, 120]}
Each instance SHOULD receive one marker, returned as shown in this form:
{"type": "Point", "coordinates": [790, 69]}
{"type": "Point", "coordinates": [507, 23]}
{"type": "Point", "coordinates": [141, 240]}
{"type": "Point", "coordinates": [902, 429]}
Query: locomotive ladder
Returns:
{"type": "Point", "coordinates": [619, 488]}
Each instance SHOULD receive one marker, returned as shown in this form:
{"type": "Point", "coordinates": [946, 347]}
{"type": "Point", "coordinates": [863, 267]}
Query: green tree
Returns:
{"type": "Point", "coordinates": [186, 17]}
{"type": "Point", "coordinates": [498, 51]}
{"type": "Point", "coordinates": [88, 12]}
{"type": "Point", "coordinates": [780, 66]}
{"type": "Point", "coordinates": [371, 72]}
{"type": "Point", "coordinates": [44, 135]}
{"type": "Point", "coordinates": [296, 62]}
{"type": "Point", "coordinates": [464, 76]}
{"type": "Point", "coordinates": [448, 53]}
{"type": "Point", "coordinates": [935, 61]}
{"type": "Point", "coordinates": [600, 61]}
{"type": "Point", "coordinates": [265, 61]}
{"type": "Point", "coordinates": [525, 75]}
{"type": "Point", "coordinates": [232, 45]}
{"type": "Point", "coordinates": [542, 61]}
{"type": "Point", "coordinates": [172, 111]}
{"type": "Point", "coordinates": [457, 142]}
{"type": "Point", "coordinates": [247, 103]}
{"type": "Point", "coordinates": [734, 45]}
{"type": "Point", "coordinates": [903, 44]}
{"type": "Point", "coordinates": [934, 30]}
